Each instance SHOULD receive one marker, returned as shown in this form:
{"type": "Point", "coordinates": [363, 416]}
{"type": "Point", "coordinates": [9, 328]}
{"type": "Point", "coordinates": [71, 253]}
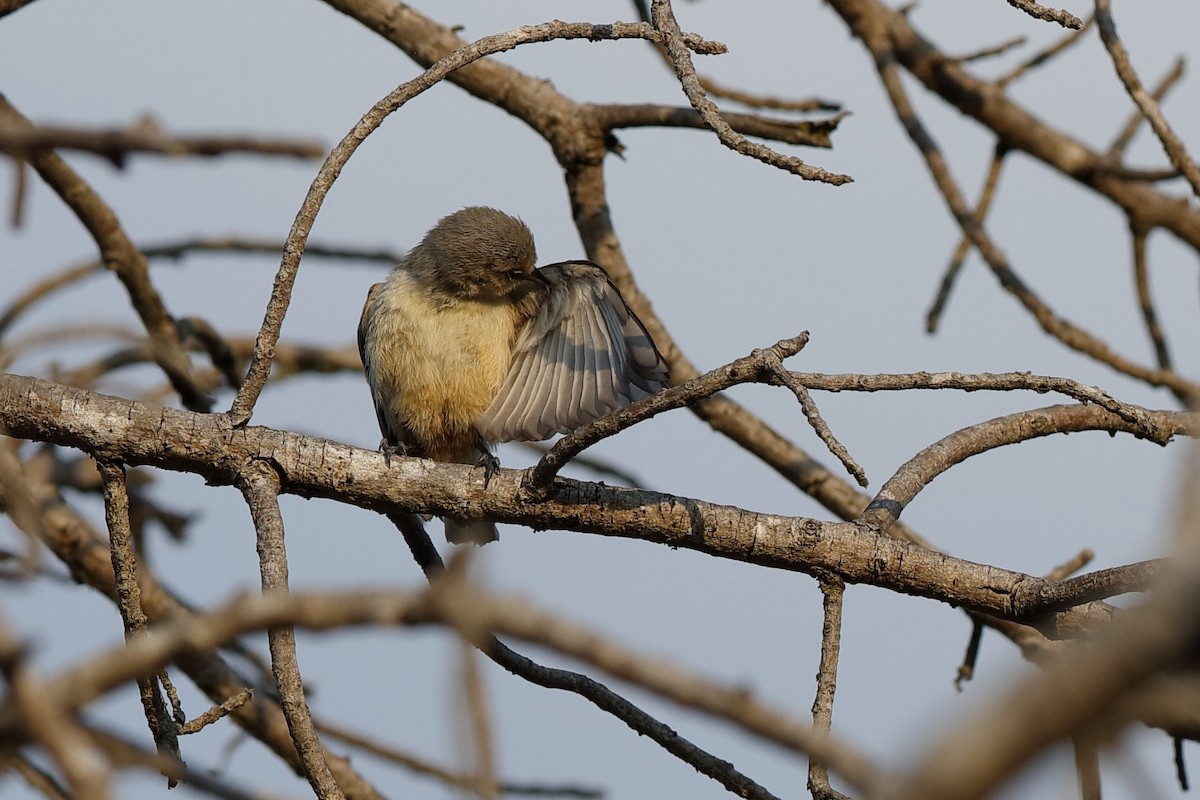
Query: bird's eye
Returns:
{"type": "Point", "coordinates": [516, 274]}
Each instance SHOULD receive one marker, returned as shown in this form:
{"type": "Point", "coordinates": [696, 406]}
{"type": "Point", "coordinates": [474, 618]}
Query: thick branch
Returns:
{"type": "Point", "coordinates": [208, 445]}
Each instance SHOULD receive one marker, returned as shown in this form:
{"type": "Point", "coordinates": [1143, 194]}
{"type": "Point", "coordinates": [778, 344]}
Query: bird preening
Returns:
{"type": "Point", "coordinates": [466, 343]}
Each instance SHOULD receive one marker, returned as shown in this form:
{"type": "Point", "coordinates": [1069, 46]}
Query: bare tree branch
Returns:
{"type": "Point", "coordinates": [122, 257]}
{"type": "Point", "coordinates": [420, 766]}
{"type": "Point", "coordinates": [129, 603]}
{"type": "Point", "coordinates": [268, 337]}
{"type": "Point", "coordinates": [144, 136]}
{"type": "Point", "coordinates": [475, 615]}
{"type": "Point", "coordinates": [832, 590]}
{"type": "Point", "coordinates": [677, 49]}
{"type": "Point", "coordinates": [259, 484]}
{"type": "Point", "coordinates": [1038, 11]}
{"type": "Point", "coordinates": [207, 445]}
{"type": "Point", "coordinates": [1172, 144]}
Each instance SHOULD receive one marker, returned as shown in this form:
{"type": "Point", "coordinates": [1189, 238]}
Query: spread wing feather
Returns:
{"type": "Point", "coordinates": [582, 354]}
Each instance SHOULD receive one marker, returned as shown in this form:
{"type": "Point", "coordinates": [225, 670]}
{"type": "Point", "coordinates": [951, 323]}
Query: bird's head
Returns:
{"type": "Point", "coordinates": [477, 253]}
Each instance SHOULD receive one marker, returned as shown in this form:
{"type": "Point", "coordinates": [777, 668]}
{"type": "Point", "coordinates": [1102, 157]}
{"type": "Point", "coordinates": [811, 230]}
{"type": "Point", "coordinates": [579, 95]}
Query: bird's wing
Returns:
{"type": "Point", "coordinates": [582, 354]}
{"type": "Point", "coordinates": [364, 326]}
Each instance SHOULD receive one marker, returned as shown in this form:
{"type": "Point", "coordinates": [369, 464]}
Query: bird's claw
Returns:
{"type": "Point", "coordinates": [390, 450]}
{"type": "Point", "coordinates": [490, 464]}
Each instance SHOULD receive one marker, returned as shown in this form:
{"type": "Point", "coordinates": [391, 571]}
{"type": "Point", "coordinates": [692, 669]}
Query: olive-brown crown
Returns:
{"type": "Point", "coordinates": [475, 253]}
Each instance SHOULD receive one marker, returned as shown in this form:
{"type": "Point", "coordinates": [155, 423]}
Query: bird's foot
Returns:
{"type": "Point", "coordinates": [490, 464]}
{"type": "Point", "coordinates": [390, 450]}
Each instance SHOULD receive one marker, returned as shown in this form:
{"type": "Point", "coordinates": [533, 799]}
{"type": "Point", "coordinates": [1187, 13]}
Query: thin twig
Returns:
{"type": "Point", "coordinates": [966, 670]}
{"type": "Point", "coordinates": [1071, 566]}
{"type": "Point", "coordinates": [832, 590]}
{"type": "Point", "coordinates": [182, 248]}
{"type": "Point", "coordinates": [430, 562]}
{"type": "Point", "coordinates": [748, 99]}
{"type": "Point", "coordinates": [1066, 332]}
{"type": "Point", "coordinates": [1101, 584]}
{"type": "Point", "coordinates": [1045, 55]}
{"type": "Point", "coordinates": [1141, 279]}
{"type": "Point", "coordinates": [950, 276]}
{"type": "Point", "coordinates": [1037, 11]}
{"type": "Point", "coordinates": [990, 52]}
{"type": "Point", "coordinates": [623, 476]}
{"type": "Point", "coordinates": [421, 766]}
{"type": "Point", "coordinates": [144, 136]}
{"type": "Point", "coordinates": [1117, 149]}
{"type": "Point", "coordinates": [1175, 149]}
{"type": "Point", "coordinates": [810, 133]}
{"type": "Point", "coordinates": [168, 687]}
{"type": "Point", "coordinates": [129, 603]}
{"type": "Point", "coordinates": [677, 50]}
{"type": "Point", "coordinates": [754, 368]}
{"type": "Point", "coordinates": [1181, 774]}
{"type": "Point", "coordinates": [217, 712]}
{"type": "Point", "coordinates": [1142, 420]}
{"type": "Point", "coordinates": [260, 486]}
{"type": "Point", "coordinates": [217, 347]}
{"type": "Point", "coordinates": [819, 426]}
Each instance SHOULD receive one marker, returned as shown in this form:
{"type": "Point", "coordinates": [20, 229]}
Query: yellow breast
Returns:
{"type": "Point", "coordinates": [439, 365]}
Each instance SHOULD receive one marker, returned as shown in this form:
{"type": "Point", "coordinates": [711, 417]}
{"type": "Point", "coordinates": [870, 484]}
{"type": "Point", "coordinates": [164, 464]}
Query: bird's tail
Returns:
{"type": "Point", "coordinates": [478, 532]}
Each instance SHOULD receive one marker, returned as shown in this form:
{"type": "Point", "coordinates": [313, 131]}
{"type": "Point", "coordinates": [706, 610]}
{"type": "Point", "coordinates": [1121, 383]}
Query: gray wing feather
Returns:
{"type": "Point", "coordinates": [581, 355]}
{"type": "Point", "coordinates": [364, 353]}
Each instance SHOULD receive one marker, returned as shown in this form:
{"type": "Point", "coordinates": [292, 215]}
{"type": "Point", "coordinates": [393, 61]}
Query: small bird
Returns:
{"type": "Point", "coordinates": [466, 344]}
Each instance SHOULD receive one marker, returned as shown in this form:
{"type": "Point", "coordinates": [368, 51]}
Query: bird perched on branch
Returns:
{"type": "Point", "coordinates": [466, 344]}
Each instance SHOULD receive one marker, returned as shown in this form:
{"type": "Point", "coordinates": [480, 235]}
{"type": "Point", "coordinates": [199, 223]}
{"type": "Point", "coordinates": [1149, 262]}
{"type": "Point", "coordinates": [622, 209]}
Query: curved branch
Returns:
{"type": "Point", "coordinates": [285, 278]}
{"type": "Point", "coordinates": [917, 473]}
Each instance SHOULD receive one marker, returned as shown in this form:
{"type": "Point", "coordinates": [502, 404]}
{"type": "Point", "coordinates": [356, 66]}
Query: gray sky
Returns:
{"type": "Point", "coordinates": [734, 255]}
